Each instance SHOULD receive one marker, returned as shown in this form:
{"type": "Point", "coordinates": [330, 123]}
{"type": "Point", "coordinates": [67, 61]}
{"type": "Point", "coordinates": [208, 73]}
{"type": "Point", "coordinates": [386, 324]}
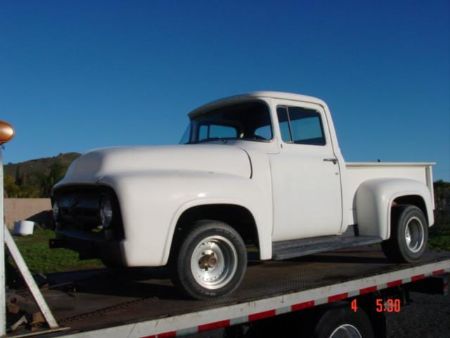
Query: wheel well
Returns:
{"type": "Point", "coordinates": [412, 200]}
{"type": "Point", "coordinates": [235, 216]}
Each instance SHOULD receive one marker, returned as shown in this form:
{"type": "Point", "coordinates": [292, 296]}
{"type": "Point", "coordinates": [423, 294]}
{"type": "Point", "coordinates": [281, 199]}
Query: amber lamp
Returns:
{"type": "Point", "coordinates": [6, 132]}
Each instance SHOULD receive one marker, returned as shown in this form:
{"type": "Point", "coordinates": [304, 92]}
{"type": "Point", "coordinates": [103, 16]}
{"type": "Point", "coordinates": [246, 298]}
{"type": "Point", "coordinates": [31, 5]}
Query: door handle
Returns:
{"type": "Point", "coordinates": [334, 160]}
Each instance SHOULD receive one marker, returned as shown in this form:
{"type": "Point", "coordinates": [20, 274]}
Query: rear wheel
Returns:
{"type": "Point", "coordinates": [343, 322]}
{"type": "Point", "coordinates": [409, 235]}
{"type": "Point", "coordinates": [211, 261]}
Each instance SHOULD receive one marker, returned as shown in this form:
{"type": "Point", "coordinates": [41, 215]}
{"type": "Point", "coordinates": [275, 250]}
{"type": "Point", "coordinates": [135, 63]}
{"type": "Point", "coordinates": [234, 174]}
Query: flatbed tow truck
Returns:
{"type": "Point", "coordinates": [343, 293]}
{"type": "Point", "coordinates": [106, 303]}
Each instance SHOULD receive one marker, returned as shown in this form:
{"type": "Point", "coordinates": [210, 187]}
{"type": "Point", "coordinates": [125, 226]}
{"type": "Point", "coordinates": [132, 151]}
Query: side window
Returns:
{"type": "Point", "coordinates": [211, 131]}
{"type": "Point", "coordinates": [301, 126]}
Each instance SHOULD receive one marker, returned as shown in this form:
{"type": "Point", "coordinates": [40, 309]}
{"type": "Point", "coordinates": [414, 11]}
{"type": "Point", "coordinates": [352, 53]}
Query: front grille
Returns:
{"type": "Point", "coordinates": [79, 209]}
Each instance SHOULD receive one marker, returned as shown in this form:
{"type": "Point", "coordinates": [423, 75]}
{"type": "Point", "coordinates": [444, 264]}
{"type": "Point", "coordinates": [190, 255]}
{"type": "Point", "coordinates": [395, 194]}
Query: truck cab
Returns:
{"type": "Point", "coordinates": [300, 146]}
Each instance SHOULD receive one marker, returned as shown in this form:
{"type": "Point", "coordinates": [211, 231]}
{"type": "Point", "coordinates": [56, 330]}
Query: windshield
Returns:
{"type": "Point", "coordinates": [244, 121]}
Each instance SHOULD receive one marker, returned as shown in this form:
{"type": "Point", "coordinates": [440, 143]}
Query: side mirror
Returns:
{"type": "Point", "coordinates": [6, 132]}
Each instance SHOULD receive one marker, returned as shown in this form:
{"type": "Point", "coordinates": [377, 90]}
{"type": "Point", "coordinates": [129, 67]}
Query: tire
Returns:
{"type": "Point", "coordinates": [210, 262]}
{"type": "Point", "coordinates": [409, 235]}
{"type": "Point", "coordinates": [343, 322]}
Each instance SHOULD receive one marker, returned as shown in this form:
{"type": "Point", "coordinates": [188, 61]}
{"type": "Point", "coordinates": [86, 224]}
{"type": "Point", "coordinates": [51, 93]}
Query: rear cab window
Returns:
{"type": "Point", "coordinates": [214, 131]}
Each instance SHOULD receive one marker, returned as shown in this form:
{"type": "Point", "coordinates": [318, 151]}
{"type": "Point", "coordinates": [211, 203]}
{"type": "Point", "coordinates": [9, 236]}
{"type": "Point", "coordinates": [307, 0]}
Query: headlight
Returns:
{"type": "Point", "coordinates": [106, 212]}
{"type": "Point", "coordinates": [55, 209]}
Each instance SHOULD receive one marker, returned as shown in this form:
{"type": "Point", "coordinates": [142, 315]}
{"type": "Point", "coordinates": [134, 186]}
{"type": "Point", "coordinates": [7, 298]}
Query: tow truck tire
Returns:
{"type": "Point", "coordinates": [409, 235]}
{"type": "Point", "coordinates": [211, 261]}
{"type": "Point", "coordinates": [343, 322]}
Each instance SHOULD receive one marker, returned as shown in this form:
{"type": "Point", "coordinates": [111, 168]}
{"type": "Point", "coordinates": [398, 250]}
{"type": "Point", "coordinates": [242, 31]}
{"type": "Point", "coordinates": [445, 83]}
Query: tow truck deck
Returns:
{"type": "Point", "coordinates": [144, 303]}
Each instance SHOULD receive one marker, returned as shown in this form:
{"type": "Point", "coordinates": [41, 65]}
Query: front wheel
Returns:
{"type": "Point", "coordinates": [409, 234]}
{"type": "Point", "coordinates": [211, 261]}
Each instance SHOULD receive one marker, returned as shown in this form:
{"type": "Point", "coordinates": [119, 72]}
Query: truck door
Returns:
{"type": "Point", "coordinates": [305, 175]}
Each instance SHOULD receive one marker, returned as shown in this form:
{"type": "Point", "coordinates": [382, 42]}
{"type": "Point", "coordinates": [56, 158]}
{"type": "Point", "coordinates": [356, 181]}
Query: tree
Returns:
{"type": "Point", "coordinates": [11, 188]}
{"type": "Point", "coordinates": [57, 171]}
{"type": "Point", "coordinates": [19, 177]}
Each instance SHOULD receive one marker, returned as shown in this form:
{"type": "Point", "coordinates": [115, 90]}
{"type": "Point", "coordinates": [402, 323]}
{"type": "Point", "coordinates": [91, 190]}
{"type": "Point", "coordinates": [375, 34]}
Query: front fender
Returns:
{"type": "Point", "coordinates": [151, 204]}
{"type": "Point", "coordinates": [374, 199]}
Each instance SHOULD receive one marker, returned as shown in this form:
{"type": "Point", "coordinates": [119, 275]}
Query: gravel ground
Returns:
{"type": "Point", "coordinates": [426, 316]}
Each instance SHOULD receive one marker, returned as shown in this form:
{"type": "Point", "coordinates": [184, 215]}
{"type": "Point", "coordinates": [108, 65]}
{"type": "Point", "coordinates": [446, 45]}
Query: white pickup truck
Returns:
{"type": "Point", "coordinates": [260, 172]}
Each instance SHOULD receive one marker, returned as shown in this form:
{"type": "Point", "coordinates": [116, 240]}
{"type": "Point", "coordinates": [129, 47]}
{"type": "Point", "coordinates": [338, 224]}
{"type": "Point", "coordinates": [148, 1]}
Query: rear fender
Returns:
{"type": "Point", "coordinates": [374, 200]}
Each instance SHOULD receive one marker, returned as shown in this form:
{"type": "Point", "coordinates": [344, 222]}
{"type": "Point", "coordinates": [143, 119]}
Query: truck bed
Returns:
{"type": "Point", "coordinates": [359, 172]}
{"type": "Point", "coordinates": [143, 302]}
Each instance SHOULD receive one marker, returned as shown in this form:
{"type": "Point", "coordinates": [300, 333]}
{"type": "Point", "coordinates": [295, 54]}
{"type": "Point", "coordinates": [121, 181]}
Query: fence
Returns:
{"type": "Point", "coordinates": [35, 209]}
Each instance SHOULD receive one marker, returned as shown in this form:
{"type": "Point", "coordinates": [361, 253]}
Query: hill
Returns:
{"type": "Point", "coordinates": [35, 178]}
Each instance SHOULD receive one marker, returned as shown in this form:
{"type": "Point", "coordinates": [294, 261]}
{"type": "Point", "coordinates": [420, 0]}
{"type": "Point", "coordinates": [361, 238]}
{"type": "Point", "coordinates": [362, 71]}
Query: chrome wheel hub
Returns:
{"type": "Point", "coordinates": [214, 262]}
{"type": "Point", "coordinates": [208, 260]}
{"type": "Point", "coordinates": [414, 234]}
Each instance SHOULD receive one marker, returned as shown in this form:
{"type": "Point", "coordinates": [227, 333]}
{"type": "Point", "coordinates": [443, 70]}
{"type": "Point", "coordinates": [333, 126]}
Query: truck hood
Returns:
{"type": "Point", "coordinates": [213, 158]}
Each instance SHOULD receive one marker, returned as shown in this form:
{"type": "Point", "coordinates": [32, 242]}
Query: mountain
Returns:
{"type": "Point", "coordinates": [35, 178]}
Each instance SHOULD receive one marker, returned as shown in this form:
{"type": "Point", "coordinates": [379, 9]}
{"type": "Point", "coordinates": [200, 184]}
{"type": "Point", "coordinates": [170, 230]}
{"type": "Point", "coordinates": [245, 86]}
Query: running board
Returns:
{"type": "Point", "coordinates": [302, 247]}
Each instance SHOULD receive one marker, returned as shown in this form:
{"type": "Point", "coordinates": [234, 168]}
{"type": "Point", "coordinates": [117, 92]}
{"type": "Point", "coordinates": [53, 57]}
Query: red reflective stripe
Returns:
{"type": "Point", "coordinates": [438, 272]}
{"type": "Point", "coordinates": [370, 289]}
{"type": "Point", "coordinates": [212, 326]}
{"type": "Point", "coordinates": [394, 283]}
{"type": "Point", "coordinates": [163, 335]}
{"type": "Point", "coordinates": [167, 334]}
{"type": "Point", "coordinates": [338, 297]}
{"type": "Point", "coordinates": [416, 278]}
{"type": "Point", "coordinates": [301, 306]}
{"type": "Point", "coordinates": [261, 315]}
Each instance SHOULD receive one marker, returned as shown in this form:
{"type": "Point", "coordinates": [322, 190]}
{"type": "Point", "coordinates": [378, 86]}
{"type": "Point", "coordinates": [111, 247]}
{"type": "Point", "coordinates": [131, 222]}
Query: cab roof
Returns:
{"type": "Point", "coordinates": [255, 95]}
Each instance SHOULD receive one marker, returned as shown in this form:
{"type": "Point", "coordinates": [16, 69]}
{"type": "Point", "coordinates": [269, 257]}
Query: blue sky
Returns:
{"type": "Point", "coordinates": [76, 75]}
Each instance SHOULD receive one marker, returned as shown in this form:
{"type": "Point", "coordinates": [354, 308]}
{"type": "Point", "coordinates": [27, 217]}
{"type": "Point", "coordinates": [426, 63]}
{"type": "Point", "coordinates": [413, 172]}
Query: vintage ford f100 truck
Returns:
{"type": "Point", "coordinates": [260, 172]}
